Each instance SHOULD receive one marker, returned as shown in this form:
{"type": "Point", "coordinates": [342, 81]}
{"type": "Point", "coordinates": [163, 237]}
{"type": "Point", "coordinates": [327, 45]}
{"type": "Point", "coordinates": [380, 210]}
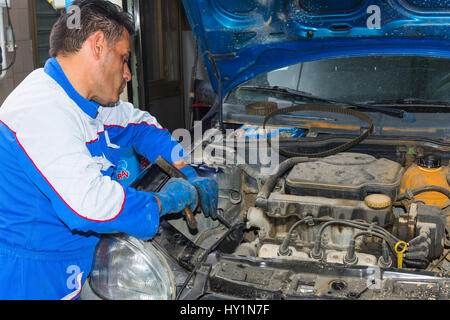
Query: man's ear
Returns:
{"type": "Point", "coordinates": [97, 44]}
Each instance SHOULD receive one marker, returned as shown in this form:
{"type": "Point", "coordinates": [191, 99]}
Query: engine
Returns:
{"type": "Point", "coordinates": [350, 208]}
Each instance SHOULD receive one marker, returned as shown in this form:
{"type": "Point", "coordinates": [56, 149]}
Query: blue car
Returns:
{"type": "Point", "coordinates": [347, 197]}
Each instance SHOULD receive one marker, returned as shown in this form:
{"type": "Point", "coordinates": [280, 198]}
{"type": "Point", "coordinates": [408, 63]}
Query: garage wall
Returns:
{"type": "Point", "coordinates": [20, 17]}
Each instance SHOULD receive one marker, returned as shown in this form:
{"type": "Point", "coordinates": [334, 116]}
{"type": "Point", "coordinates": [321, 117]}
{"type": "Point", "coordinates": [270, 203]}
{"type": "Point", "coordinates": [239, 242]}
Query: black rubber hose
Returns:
{"type": "Point", "coordinates": [261, 198]}
{"type": "Point", "coordinates": [414, 192]}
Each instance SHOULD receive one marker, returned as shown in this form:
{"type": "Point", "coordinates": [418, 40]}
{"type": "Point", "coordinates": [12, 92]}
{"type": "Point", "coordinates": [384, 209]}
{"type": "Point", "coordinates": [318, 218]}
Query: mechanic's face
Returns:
{"type": "Point", "coordinates": [115, 72]}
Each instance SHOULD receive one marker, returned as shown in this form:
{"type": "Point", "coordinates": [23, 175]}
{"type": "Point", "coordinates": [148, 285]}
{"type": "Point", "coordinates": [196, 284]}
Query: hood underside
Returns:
{"type": "Point", "coordinates": [240, 39]}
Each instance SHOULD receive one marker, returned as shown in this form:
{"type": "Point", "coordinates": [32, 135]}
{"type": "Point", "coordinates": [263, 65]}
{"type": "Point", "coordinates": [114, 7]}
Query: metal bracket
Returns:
{"type": "Point", "coordinates": [198, 289]}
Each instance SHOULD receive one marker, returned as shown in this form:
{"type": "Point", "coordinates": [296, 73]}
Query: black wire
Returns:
{"type": "Point", "coordinates": [357, 225]}
{"type": "Point", "coordinates": [13, 60]}
{"type": "Point", "coordinates": [382, 235]}
{"type": "Point", "coordinates": [379, 229]}
{"type": "Point", "coordinates": [372, 234]}
{"type": "Point", "coordinates": [440, 261]}
{"type": "Point", "coordinates": [348, 223]}
{"type": "Point", "coordinates": [285, 244]}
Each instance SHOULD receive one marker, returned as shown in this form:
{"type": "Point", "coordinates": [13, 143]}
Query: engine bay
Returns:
{"type": "Point", "coordinates": [350, 209]}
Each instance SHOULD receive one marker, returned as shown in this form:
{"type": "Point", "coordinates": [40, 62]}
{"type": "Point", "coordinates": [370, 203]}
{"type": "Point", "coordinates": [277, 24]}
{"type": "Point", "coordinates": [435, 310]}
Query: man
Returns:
{"type": "Point", "coordinates": [57, 130]}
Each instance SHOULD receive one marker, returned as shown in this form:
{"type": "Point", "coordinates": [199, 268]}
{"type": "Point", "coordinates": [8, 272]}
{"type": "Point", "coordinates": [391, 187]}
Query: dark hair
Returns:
{"type": "Point", "coordinates": [95, 15]}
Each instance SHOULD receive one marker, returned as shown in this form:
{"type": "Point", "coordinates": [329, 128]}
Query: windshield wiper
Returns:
{"type": "Point", "coordinates": [411, 102]}
{"type": "Point", "coordinates": [398, 113]}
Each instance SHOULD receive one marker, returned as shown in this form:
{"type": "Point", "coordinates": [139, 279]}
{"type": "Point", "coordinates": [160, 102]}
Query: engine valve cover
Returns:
{"type": "Point", "coordinates": [346, 176]}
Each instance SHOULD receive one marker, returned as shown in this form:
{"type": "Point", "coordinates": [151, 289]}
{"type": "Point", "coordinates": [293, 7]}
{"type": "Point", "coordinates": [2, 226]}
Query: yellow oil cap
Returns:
{"type": "Point", "coordinates": [377, 201]}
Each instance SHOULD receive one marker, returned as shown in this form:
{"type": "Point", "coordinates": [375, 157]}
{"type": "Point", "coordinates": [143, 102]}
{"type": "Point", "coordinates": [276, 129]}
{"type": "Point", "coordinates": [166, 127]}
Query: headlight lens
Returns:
{"type": "Point", "coordinates": [126, 268]}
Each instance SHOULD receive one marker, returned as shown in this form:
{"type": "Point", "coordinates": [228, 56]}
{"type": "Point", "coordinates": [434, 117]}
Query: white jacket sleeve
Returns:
{"type": "Point", "coordinates": [53, 153]}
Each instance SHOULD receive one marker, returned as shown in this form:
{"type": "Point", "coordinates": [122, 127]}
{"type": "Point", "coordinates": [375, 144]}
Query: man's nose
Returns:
{"type": "Point", "coordinates": [126, 73]}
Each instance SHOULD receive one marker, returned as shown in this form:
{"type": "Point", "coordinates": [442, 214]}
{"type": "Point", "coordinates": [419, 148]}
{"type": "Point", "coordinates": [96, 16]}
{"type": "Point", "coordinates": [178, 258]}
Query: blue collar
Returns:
{"type": "Point", "coordinates": [54, 70]}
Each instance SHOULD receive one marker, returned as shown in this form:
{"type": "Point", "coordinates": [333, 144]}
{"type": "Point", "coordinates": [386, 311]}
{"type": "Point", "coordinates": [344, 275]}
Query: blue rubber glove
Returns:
{"type": "Point", "coordinates": [176, 195]}
{"type": "Point", "coordinates": [207, 189]}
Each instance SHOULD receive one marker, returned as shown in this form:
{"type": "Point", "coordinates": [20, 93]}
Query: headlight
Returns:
{"type": "Point", "coordinates": [126, 268]}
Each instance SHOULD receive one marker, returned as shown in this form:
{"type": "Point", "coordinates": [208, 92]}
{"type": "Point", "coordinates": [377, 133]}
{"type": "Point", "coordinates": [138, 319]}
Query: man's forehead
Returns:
{"type": "Point", "coordinates": [123, 45]}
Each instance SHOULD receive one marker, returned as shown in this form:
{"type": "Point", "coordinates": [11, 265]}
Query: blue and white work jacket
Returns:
{"type": "Point", "coordinates": [56, 191]}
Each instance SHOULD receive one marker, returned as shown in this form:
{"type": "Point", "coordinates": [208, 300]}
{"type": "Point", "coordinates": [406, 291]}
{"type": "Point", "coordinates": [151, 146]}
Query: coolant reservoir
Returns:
{"type": "Point", "coordinates": [427, 172]}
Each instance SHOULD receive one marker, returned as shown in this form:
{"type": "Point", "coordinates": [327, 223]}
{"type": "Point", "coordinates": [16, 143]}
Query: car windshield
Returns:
{"type": "Point", "coordinates": [370, 79]}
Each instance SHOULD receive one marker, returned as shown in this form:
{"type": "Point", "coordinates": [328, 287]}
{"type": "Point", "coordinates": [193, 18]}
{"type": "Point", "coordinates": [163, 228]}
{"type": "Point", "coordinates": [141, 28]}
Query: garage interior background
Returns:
{"type": "Point", "coordinates": [163, 48]}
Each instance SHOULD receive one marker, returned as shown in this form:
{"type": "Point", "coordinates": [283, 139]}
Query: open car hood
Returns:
{"type": "Point", "coordinates": [240, 39]}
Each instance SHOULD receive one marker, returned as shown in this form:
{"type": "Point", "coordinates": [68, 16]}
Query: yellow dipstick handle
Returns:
{"type": "Point", "coordinates": [400, 253]}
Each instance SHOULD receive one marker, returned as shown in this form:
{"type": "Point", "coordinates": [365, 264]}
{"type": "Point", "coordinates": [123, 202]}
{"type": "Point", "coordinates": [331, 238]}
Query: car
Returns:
{"type": "Point", "coordinates": [331, 149]}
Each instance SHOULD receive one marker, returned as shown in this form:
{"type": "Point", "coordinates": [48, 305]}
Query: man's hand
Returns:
{"type": "Point", "coordinates": [176, 195]}
{"type": "Point", "coordinates": [207, 189]}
